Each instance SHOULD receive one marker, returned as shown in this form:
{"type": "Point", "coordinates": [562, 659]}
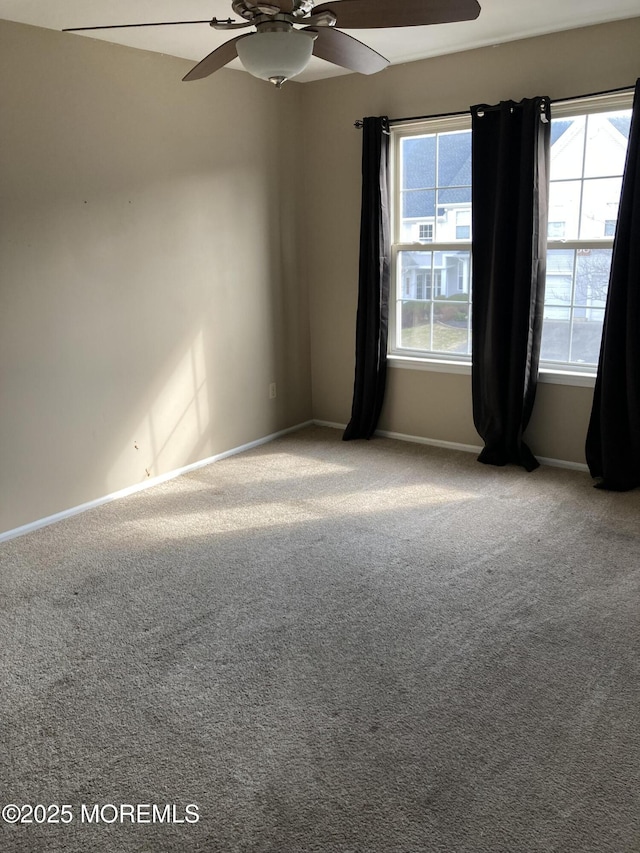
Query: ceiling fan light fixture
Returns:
{"type": "Point", "coordinates": [274, 54]}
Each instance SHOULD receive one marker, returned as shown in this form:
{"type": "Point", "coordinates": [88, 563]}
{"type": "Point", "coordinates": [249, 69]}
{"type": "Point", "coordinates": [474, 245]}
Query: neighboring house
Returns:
{"type": "Point", "coordinates": [587, 211]}
{"type": "Point", "coordinates": [436, 205]}
{"type": "Point", "coordinates": [443, 276]}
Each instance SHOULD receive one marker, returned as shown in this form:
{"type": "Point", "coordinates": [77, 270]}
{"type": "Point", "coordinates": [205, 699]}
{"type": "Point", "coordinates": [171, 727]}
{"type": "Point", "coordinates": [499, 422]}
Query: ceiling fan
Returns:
{"type": "Point", "coordinates": [277, 50]}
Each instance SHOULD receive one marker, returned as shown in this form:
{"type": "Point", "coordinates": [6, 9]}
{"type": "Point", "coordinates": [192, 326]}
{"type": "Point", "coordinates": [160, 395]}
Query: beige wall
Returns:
{"type": "Point", "coordinates": [157, 239]}
{"type": "Point", "coordinates": [428, 404]}
{"type": "Point", "coordinates": [149, 277]}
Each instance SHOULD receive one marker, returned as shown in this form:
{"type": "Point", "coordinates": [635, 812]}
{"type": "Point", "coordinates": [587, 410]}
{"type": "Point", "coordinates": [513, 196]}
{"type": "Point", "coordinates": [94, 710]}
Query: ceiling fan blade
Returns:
{"type": "Point", "coordinates": [345, 51]}
{"type": "Point", "coordinates": [215, 60]}
{"type": "Point", "coordinates": [365, 14]}
{"type": "Point", "coordinates": [126, 26]}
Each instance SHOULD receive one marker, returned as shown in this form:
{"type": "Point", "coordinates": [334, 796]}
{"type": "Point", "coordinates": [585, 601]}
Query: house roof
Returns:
{"type": "Point", "coordinates": [424, 166]}
{"type": "Point", "coordinates": [423, 162]}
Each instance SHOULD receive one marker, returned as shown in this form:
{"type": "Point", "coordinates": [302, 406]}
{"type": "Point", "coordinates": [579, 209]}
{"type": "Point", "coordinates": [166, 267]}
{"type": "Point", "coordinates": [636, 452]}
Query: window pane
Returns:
{"type": "Point", "coordinates": [416, 274]}
{"type": "Point", "coordinates": [600, 197]}
{"type": "Point", "coordinates": [564, 207]}
{"type": "Point", "coordinates": [451, 327]}
{"type": "Point", "coordinates": [621, 120]}
{"type": "Point", "coordinates": [592, 277]}
{"type": "Point", "coordinates": [587, 333]}
{"type": "Point", "coordinates": [417, 206]}
{"type": "Point", "coordinates": [452, 274]}
{"type": "Point", "coordinates": [448, 206]}
{"type": "Point", "coordinates": [559, 285]}
{"type": "Point", "coordinates": [574, 312]}
{"type": "Point", "coordinates": [556, 334]}
{"type": "Point", "coordinates": [418, 162]}
{"type": "Point", "coordinates": [415, 329]}
{"type": "Point", "coordinates": [434, 301]}
{"type": "Point", "coordinates": [435, 186]}
{"type": "Point", "coordinates": [607, 136]}
{"type": "Point", "coordinates": [454, 159]}
{"type": "Point", "coordinates": [454, 186]}
{"type": "Point", "coordinates": [567, 147]}
{"type": "Point", "coordinates": [556, 230]}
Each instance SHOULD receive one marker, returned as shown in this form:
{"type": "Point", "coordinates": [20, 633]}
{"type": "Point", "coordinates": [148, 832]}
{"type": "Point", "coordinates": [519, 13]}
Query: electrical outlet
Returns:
{"type": "Point", "coordinates": [272, 391]}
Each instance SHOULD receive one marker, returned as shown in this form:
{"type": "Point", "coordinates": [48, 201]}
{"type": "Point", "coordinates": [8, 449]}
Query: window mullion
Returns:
{"type": "Point", "coordinates": [584, 162]}
{"type": "Point", "coordinates": [431, 323]}
{"type": "Point", "coordinates": [572, 304]}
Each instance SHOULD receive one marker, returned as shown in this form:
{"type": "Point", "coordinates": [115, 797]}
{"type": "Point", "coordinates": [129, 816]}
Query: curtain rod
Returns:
{"type": "Point", "coordinates": [359, 123]}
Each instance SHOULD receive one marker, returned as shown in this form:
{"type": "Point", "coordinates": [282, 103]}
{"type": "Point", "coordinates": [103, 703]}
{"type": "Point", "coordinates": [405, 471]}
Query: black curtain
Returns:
{"type": "Point", "coordinates": [373, 282]}
{"type": "Point", "coordinates": [613, 437]}
{"type": "Point", "coordinates": [510, 181]}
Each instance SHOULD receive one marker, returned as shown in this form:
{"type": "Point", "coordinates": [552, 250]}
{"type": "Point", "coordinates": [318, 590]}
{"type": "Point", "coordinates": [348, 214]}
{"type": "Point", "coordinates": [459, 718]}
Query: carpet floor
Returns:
{"type": "Point", "coordinates": [362, 647]}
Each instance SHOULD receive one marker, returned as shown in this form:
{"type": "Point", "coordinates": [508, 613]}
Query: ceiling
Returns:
{"type": "Point", "coordinates": [499, 21]}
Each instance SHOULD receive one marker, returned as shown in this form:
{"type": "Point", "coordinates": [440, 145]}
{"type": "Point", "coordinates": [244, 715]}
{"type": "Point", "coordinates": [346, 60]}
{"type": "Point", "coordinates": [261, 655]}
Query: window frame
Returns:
{"type": "Point", "coordinates": [405, 356]}
{"type": "Point", "coordinates": [565, 373]}
{"type": "Point", "coordinates": [570, 109]}
{"type": "Point", "coordinates": [428, 225]}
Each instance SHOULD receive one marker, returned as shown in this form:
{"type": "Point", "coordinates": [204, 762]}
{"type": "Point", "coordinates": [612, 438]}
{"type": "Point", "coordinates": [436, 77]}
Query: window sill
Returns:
{"type": "Point", "coordinates": [438, 365]}
{"type": "Point", "coordinates": [546, 375]}
{"type": "Point", "coordinates": [564, 377]}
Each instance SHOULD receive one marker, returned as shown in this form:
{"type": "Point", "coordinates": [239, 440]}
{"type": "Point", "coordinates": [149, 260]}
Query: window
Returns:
{"type": "Point", "coordinates": [588, 151]}
{"type": "Point", "coordinates": [431, 311]}
{"type": "Point", "coordinates": [556, 230]}
{"type": "Point", "coordinates": [425, 234]}
{"type": "Point", "coordinates": [463, 224]}
{"type": "Point", "coordinates": [432, 183]}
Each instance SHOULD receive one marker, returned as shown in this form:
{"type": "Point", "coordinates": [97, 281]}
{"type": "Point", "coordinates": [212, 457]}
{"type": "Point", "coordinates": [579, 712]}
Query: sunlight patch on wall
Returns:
{"type": "Point", "coordinates": [174, 429]}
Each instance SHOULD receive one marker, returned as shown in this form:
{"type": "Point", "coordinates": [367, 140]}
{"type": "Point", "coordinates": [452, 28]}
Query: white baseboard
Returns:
{"type": "Point", "coordinates": [163, 478]}
{"type": "Point", "coordinates": [454, 445]}
{"type": "Point", "coordinates": [563, 463]}
{"type": "Point", "coordinates": [432, 442]}
{"type": "Point", "coordinates": [413, 439]}
{"type": "Point", "coordinates": [330, 424]}
{"type": "Point", "coordinates": [147, 484]}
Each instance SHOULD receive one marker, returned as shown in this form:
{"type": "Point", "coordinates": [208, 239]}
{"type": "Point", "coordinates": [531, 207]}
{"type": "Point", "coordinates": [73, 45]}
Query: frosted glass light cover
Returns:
{"type": "Point", "coordinates": [270, 55]}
